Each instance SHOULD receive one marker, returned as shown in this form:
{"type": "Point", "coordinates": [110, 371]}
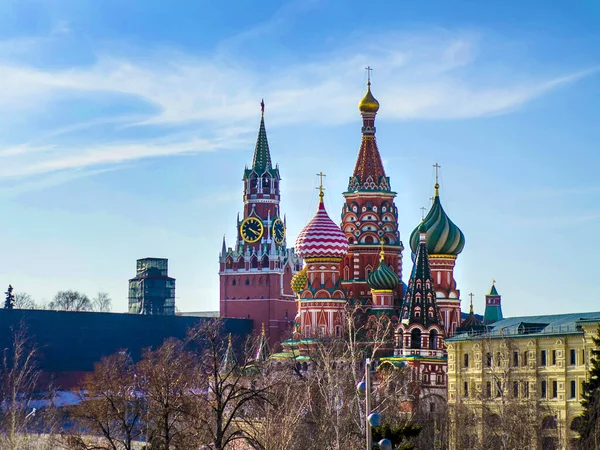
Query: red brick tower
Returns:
{"type": "Point", "coordinates": [369, 215]}
{"type": "Point", "coordinates": [255, 274]}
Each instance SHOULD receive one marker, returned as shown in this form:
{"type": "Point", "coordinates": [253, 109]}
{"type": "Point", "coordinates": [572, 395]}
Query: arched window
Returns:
{"type": "Point", "coordinates": [254, 262]}
{"type": "Point", "coordinates": [433, 334]}
{"type": "Point", "coordinates": [415, 339]}
{"type": "Point", "coordinates": [247, 281]}
{"type": "Point", "coordinates": [240, 264]}
{"type": "Point", "coordinates": [233, 282]}
{"type": "Point", "coordinates": [399, 339]}
{"type": "Point", "coordinates": [265, 262]}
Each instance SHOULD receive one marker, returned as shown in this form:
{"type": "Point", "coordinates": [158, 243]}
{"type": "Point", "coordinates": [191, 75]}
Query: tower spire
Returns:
{"type": "Point", "coordinates": [368, 170]}
{"type": "Point", "coordinates": [493, 306]}
{"type": "Point", "coordinates": [419, 306]}
{"type": "Point", "coordinates": [262, 155]}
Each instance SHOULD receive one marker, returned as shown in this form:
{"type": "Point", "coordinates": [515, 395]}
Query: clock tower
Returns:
{"type": "Point", "coordinates": [255, 273]}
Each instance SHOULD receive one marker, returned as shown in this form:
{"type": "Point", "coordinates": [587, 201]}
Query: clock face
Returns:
{"type": "Point", "coordinates": [278, 231]}
{"type": "Point", "coordinates": [251, 230]}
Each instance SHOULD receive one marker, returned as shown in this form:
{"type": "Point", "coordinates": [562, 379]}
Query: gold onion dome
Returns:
{"type": "Point", "coordinates": [299, 280]}
{"type": "Point", "coordinates": [368, 104]}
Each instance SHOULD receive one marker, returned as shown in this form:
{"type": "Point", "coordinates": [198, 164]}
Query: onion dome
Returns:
{"type": "Point", "coordinates": [383, 278]}
{"type": "Point", "coordinates": [321, 237]}
{"type": "Point", "coordinates": [368, 104]}
{"type": "Point", "coordinates": [299, 281]}
{"type": "Point", "coordinates": [443, 236]}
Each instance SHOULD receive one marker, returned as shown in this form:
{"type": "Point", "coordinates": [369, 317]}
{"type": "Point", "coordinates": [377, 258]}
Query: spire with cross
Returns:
{"type": "Point", "coordinates": [321, 188]}
{"type": "Point", "coordinates": [369, 70]}
{"type": "Point", "coordinates": [437, 178]}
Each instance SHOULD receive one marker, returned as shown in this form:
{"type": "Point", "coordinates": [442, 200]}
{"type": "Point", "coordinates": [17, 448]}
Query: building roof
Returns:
{"type": "Point", "coordinates": [261, 162]}
{"type": "Point", "coordinates": [321, 237]}
{"type": "Point", "coordinates": [531, 326]}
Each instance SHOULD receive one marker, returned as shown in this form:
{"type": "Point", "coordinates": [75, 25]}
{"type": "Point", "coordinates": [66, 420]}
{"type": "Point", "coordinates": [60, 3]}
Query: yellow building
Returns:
{"type": "Point", "coordinates": [519, 374]}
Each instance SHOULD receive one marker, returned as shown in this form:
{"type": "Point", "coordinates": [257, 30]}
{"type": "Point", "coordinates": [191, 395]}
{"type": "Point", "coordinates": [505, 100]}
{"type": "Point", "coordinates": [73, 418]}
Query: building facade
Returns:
{"type": "Point", "coordinates": [152, 291]}
{"type": "Point", "coordinates": [535, 360]}
{"type": "Point", "coordinates": [255, 273]}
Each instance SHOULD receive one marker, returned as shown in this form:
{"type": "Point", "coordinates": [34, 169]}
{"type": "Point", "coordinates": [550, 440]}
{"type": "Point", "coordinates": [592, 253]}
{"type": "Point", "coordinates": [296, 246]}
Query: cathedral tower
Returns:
{"type": "Point", "coordinates": [255, 273]}
{"type": "Point", "coordinates": [369, 214]}
{"type": "Point", "coordinates": [445, 241]}
{"type": "Point", "coordinates": [493, 306]}
{"type": "Point", "coordinates": [321, 300]}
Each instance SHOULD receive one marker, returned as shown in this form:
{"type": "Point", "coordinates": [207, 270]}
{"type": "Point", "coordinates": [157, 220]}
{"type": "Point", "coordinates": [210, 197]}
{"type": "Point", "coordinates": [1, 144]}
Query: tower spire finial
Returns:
{"type": "Point", "coordinates": [423, 213]}
{"type": "Point", "coordinates": [437, 179]}
{"type": "Point", "coordinates": [321, 188]}
{"type": "Point", "coordinates": [471, 305]}
{"type": "Point", "coordinates": [262, 107]}
{"type": "Point", "coordinates": [382, 252]}
{"type": "Point", "coordinates": [369, 70]}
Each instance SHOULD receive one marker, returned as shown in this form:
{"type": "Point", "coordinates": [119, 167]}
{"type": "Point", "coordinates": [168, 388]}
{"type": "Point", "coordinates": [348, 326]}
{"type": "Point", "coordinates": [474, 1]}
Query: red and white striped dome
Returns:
{"type": "Point", "coordinates": [321, 238]}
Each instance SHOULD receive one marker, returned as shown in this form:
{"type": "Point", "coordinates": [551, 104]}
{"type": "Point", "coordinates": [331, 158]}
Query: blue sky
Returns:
{"type": "Point", "coordinates": [125, 127]}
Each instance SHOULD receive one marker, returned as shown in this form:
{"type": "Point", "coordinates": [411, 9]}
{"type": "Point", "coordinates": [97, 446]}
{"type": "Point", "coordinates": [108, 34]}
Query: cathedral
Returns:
{"type": "Point", "coordinates": [303, 292]}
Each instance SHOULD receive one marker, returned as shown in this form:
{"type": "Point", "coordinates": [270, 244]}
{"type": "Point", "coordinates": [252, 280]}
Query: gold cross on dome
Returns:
{"type": "Point", "coordinates": [493, 281]}
{"type": "Point", "coordinates": [321, 188]}
{"type": "Point", "coordinates": [369, 70]}
{"type": "Point", "coordinates": [437, 172]}
{"type": "Point", "coordinates": [423, 212]}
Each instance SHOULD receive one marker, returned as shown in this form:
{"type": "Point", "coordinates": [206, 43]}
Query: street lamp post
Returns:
{"type": "Point", "coordinates": [368, 404]}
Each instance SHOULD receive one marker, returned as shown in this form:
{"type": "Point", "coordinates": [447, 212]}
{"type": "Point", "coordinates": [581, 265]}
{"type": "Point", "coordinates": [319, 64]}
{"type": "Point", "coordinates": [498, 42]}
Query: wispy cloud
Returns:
{"type": "Point", "coordinates": [421, 76]}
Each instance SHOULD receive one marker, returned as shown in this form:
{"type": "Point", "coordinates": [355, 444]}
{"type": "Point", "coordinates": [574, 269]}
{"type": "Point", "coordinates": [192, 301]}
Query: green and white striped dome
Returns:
{"type": "Point", "coordinates": [383, 278]}
{"type": "Point", "coordinates": [443, 236]}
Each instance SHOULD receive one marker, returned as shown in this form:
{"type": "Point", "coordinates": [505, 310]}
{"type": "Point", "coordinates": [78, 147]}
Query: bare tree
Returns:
{"type": "Point", "coordinates": [102, 302]}
{"type": "Point", "coordinates": [19, 388]}
{"type": "Point", "coordinates": [167, 377]}
{"type": "Point", "coordinates": [280, 422]}
{"type": "Point", "coordinates": [111, 407]}
{"type": "Point", "coordinates": [24, 301]}
{"type": "Point", "coordinates": [234, 388]}
{"type": "Point", "coordinates": [333, 366]}
{"type": "Point", "coordinates": [71, 301]}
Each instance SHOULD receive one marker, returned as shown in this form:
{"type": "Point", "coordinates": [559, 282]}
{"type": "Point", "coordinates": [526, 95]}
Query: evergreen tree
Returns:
{"type": "Point", "coordinates": [589, 425]}
{"type": "Point", "coordinates": [9, 303]}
